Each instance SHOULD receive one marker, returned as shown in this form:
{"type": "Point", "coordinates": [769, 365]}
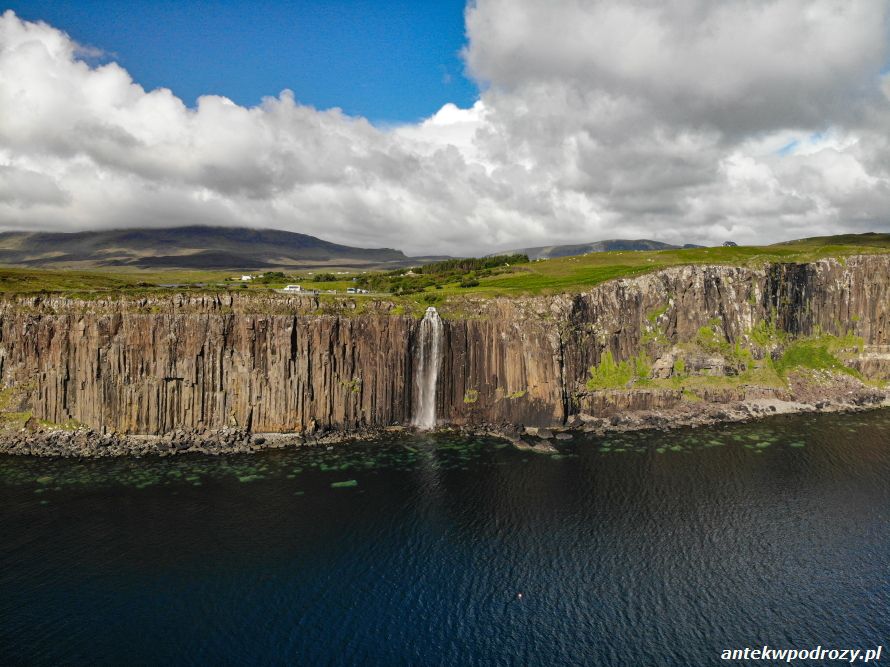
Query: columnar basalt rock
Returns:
{"type": "Point", "coordinates": [276, 363]}
{"type": "Point", "coordinates": [205, 364]}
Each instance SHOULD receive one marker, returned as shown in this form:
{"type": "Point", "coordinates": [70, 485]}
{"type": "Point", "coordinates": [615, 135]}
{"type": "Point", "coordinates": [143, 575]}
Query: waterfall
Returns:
{"type": "Point", "coordinates": [428, 359]}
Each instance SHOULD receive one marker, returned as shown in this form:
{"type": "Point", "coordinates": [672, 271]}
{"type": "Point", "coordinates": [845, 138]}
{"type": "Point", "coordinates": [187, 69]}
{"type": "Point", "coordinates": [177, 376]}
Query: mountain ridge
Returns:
{"type": "Point", "coordinates": [189, 247]}
{"type": "Point", "coordinates": [607, 245]}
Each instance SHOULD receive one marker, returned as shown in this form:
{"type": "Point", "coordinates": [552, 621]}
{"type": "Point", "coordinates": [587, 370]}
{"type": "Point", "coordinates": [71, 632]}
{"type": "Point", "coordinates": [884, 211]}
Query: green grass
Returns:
{"type": "Point", "coordinates": [29, 280]}
{"type": "Point", "coordinates": [817, 353]}
{"type": "Point", "coordinates": [610, 374]}
{"type": "Point", "coordinates": [96, 282]}
{"type": "Point", "coordinates": [577, 274]}
{"type": "Point", "coordinates": [562, 275]}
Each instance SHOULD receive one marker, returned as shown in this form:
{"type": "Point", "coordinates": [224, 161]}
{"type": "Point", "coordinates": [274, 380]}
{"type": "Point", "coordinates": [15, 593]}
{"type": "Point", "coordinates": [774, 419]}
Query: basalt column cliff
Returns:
{"type": "Point", "coordinates": [276, 363]}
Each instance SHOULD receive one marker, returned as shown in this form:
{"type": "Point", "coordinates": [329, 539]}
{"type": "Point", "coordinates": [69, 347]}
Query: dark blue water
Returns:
{"type": "Point", "coordinates": [646, 549]}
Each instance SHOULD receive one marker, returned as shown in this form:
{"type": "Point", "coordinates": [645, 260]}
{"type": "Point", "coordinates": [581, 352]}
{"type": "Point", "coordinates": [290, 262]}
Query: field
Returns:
{"type": "Point", "coordinates": [572, 274]}
{"type": "Point", "coordinates": [563, 275]}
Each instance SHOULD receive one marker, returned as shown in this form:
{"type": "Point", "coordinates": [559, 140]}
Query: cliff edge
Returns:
{"type": "Point", "coordinates": [680, 345]}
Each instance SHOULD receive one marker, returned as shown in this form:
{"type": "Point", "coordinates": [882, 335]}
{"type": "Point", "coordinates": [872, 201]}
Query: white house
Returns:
{"type": "Point", "coordinates": [246, 278]}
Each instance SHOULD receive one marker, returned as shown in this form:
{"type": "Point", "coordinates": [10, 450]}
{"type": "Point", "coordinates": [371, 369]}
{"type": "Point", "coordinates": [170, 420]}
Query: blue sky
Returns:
{"type": "Point", "coordinates": [389, 60]}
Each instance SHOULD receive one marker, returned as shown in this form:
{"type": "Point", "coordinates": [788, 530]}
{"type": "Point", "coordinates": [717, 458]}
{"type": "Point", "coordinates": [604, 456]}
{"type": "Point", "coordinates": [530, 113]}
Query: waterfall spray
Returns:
{"type": "Point", "coordinates": [428, 359]}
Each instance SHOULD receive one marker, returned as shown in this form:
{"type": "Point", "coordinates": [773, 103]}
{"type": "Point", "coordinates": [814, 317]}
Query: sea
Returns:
{"type": "Point", "coordinates": [647, 548]}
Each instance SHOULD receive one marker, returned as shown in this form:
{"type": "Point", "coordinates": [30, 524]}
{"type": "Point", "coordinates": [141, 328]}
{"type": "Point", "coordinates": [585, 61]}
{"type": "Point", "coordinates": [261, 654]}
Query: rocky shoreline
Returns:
{"type": "Point", "coordinates": [542, 439]}
{"type": "Point", "coordinates": [37, 440]}
{"type": "Point", "coordinates": [89, 443]}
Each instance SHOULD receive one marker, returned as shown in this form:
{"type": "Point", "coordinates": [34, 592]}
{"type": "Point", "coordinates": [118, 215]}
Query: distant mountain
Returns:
{"type": "Point", "coordinates": [226, 248]}
{"type": "Point", "coordinates": [549, 252]}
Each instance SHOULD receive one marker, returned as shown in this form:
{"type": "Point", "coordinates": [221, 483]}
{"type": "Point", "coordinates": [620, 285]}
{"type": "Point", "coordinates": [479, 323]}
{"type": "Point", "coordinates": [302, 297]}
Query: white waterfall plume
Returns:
{"type": "Point", "coordinates": [428, 360]}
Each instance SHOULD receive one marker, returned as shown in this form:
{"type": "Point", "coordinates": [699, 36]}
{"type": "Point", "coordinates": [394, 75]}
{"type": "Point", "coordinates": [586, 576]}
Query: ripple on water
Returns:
{"type": "Point", "coordinates": [639, 548]}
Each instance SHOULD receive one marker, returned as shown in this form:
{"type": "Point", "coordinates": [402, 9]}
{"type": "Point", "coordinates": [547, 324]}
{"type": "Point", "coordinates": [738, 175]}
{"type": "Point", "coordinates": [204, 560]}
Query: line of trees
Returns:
{"type": "Point", "coordinates": [466, 264]}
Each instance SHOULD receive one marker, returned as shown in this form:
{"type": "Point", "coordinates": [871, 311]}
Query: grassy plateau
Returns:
{"type": "Point", "coordinates": [442, 281]}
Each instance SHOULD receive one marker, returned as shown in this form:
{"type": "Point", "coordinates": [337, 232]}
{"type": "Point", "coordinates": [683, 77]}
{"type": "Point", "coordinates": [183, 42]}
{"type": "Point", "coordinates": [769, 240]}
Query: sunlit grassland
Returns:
{"type": "Point", "coordinates": [562, 275]}
{"type": "Point", "coordinates": [574, 274]}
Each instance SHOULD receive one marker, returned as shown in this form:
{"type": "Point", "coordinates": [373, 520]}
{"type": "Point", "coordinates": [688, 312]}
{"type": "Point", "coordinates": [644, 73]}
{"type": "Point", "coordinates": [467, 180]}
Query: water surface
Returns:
{"type": "Point", "coordinates": [638, 549]}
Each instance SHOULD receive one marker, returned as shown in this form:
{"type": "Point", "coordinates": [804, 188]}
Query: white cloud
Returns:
{"type": "Point", "coordinates": [735, 64]}
{"type": "Point", "coordinates": [662, 113]}
{"type": "Point", "coordinates": [683, 121]}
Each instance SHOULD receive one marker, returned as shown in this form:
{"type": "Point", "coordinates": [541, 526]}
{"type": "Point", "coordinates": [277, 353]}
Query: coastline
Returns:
{"type": "Point", "coordinates": [541, 439]}
{"type": "Point", "coordinates": [86, 443]}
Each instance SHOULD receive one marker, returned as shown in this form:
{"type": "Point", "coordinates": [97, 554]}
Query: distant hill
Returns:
{"type": "Point", "coordinates": [878, 239]}
{"type": "Point", "coordinates": [549, 252]}
{"type": "Point", "coordinates": [226, 248]}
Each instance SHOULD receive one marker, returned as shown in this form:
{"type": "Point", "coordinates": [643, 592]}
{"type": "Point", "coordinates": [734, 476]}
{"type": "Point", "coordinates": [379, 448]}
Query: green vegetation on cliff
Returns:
{"type": "Point", "coordinates": [766, 360]}
{"type": "Point", "coordinates": [611, 375]}
{"type": "Point", "coordinates": [819, 353]}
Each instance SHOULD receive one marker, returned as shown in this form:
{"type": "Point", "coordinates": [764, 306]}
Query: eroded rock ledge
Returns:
{"type": "Point", "coordinates": [42, 440]}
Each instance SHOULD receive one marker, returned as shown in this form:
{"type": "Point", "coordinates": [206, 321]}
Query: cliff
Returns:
{"type": "Point", "coordinates": [291, 364]}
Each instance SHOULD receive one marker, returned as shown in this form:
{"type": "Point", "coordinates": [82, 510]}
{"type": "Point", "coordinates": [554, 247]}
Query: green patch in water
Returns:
{"type": "Point", "coordinates": [344, 485]}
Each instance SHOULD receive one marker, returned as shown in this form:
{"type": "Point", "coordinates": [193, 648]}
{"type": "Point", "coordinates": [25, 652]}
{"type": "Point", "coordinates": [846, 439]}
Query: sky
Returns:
{"type": "Point", "coordinates": [439, 128]}
{"type": "Point", "coordinates": [390, 61]}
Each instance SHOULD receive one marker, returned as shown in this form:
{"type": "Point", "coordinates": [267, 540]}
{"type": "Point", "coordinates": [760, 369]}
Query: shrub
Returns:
{"type": "Point", "coordinates": [272, 277]}
{"type": "Point", "coordinates": [679, 371]}
{"type": "Point", "coordinates": [611, 375]}
{"type": "Point", "coordinates": [767, 334]}
{"type": "Point", "coordinates": [813, 354]}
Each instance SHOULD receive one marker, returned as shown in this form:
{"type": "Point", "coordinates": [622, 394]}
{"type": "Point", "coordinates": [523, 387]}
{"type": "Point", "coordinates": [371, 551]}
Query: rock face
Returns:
{"type": "Point", "coordinates": [156, 366]}
{"type": "Point", "coordinates": [291, 364]}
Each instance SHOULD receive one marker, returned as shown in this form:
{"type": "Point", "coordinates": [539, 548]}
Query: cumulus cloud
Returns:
{"type": "Point", "coordinates": [739, 65]}
{"type": "Point", "coordinates": [685, 121]}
